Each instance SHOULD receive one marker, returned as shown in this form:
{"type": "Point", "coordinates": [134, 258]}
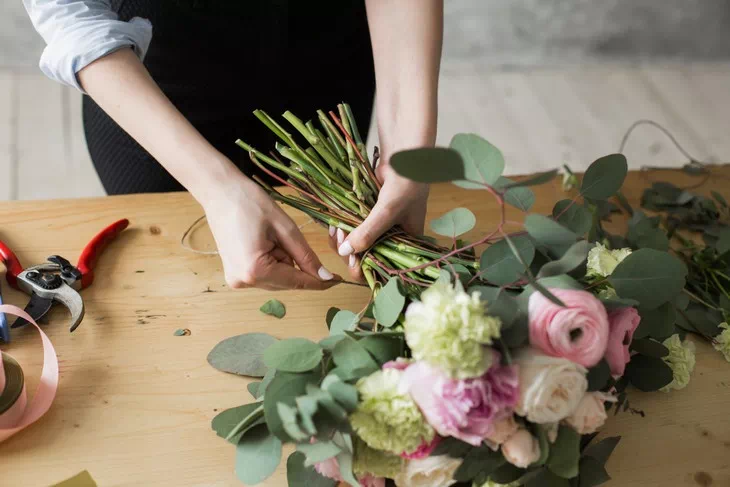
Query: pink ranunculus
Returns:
{"type": "Point", "coordinates": [623, 322]}
{"type": "Point", "coordinates": [577, 332]}
{"type": "Point", "coordinates": [465, 409]}
{"type": "Point", "coordinates": [424, 450]}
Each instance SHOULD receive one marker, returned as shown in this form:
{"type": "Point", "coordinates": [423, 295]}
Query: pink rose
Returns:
{"type": "Point", "coordinates": [370, 481]}
{"type": "Point", "coordinates": [424, 449]}
{"type": "Point", "coordinates": [521, 449]}
{"type": "Point", "coordinates": [501, 430]}
{"type": "Point", "coordinates": [465, 409]}
{"type": "Point", "coordinates": [590, 413]}
{"type": "Point", "coordinates": [623, 322]}
{"type": "Point", "coordinates": [330, 468]}
{"type": "Point", "coordinates": [577, 332]}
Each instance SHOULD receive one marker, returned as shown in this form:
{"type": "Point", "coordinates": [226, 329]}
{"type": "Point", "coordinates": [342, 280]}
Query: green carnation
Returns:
{"type": "Point", "coordinates": [721, 342]}
{"type": "Point", "coordinates": [387, 418]}
{"type": "Point", "coordinates": [448, 328]}
{"type": "Point", "coordinates": [681, 359]}
{"type": "Point", "coordinates": [377, 463]}
{"type": "Point", "coordinates": [602, 261]}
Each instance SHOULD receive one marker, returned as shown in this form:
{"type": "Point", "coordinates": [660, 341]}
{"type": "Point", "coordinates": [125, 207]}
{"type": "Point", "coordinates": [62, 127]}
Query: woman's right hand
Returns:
{"type": "Point", "coordinates": [259, 244]}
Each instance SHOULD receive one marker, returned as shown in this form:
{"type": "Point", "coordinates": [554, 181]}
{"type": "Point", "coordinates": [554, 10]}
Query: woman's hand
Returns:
{"type": "Point", "coordinates": [259, 244]}
{"type": "Point", "coordinates": [401, 202]}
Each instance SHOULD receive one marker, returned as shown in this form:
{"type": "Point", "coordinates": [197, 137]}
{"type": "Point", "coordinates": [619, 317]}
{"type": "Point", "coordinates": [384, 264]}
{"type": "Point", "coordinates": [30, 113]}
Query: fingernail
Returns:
{"type": "Point", "coordinates": [332, 231]}
{"type": "Point", "coordinates": [340, 237]}
{"type": "Point", "coordinates": [324, 274]}
{"type": "Point", "coordinates": [353, 260]}
{"type": "Point", "coordinates": [345, 249]}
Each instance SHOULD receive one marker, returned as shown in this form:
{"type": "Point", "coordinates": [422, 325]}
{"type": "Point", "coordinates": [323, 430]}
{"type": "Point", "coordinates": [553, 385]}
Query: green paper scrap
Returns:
{"type": "Point", "coordinates": [82, 479]}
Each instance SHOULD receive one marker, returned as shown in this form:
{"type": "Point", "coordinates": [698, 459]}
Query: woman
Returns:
{"type": "Point", "coordinates": [164, 114]}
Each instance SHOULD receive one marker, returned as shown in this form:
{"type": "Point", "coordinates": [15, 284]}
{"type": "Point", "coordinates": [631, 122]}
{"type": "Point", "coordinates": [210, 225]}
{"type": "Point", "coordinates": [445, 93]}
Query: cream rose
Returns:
{"type": "Point", "coordinates": [590, 413]}
{"type": "Point", "coordinates": [501, 430]}
{"type": "Point", "coordinates": [550, 387]}
{"type": "Point", "coordinates": [435, 471]}
{"type": "Point", "coordinates": [521, 449]}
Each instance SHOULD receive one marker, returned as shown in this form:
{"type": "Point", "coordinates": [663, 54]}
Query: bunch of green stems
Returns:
{"type": "Point", "coordinates": [336, 185]}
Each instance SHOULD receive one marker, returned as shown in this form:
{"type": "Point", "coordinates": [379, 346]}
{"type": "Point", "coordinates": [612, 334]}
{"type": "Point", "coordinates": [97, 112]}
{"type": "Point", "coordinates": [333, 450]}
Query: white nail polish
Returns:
{"type": "Point", "coordinates": [340, 236]}
{"type": "Point", "coordinates": [332, 231]}
{"type": "Point", "coordinates": [353, 260]}
{"type": "Point", "coordinates": [345, 249]}
{"type": "Point", "coordinates": [324, 274]}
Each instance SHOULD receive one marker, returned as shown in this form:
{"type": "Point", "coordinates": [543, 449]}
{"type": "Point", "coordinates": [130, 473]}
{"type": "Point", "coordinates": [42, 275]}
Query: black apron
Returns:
{"type": "Point", "coordinates": [218, 61]}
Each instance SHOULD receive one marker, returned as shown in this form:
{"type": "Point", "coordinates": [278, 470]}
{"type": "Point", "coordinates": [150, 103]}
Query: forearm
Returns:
{"type": "Point", "coordinates": [406, 37]}
{"type": "Point", "coordinates": [122, 87]}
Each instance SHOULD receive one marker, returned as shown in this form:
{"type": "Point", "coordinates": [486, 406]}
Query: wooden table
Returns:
{"type": "Point", "coordinates": [135, 402]}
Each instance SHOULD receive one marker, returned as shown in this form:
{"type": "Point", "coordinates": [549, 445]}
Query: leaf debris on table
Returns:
{"type": "Point", "coordinates": [273, 307]}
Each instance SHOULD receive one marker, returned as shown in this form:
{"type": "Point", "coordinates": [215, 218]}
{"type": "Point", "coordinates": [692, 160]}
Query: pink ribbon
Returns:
{"type": "Point", "coordinates": [22, 414]}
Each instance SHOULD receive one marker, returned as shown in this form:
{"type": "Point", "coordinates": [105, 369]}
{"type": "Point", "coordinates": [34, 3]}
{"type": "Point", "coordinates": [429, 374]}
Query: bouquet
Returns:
{"type": "Point", "coordinates": [486, 368]}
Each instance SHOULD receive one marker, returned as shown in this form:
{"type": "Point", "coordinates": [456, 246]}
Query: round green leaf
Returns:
{"type": "Point", "coordinates": [483, 162]}
{"type": "Point", "coordinates": [350, 355]}
{"type": "Point", "coordinates": [342, 321]}
{"type": "Point", "coordinates": [284, 388]}
{"type": "Point", "coordinates": [383, 347]}
{"type": "Point", "coordinates": [293, 355]}
{"type": "Point", "coordinates": [331, 313]}
{"type": "Point", "coordinates": [649, 276]}
{"type": "Point", "coordinates": [565, 453]}
{"type": "Point", "coordinates": [318, 452]}
{"type": "Point", "coordinates": [242, 354]}
{"type": "Point", "coordinates": [242, 418]}
{"type": "Point", "coordinates": [454, 223]}
{"type": "Point", "coordinates": [428, 165]}
{"type": "Point", "coordinates": [389, 303]}
{"type": "Point", "coordinates": [548, 232]}
{"type": "Point", "coordinates": [500, 266]}
{"type": "Point", "coordinates": [297, 475]}
{"type": "Point", "coordinates": [253, 388]}
{"type": "Point", "coordinates": [649, 348]}
{"type": "Point", "coordinates": [573, 216]}
{"type": "Point", "coordinates": [520, 197]}
{"type": "Point", "coordinates": [656, 323]}
{"type": "Point", "coordinates": [257, 456]}
{"type": "Point", "coordinates": [273, 307]}
{"type": "Point", "coordinates": [575, 256]}
{"type": "Point", "coordinates": [598, 376]}
{"type": "Point", "coordinates": [648, 373]}
{"type": "Point", "coordinates": [604, 177]}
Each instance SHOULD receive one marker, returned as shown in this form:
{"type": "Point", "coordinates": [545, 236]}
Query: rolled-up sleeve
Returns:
{"type": "Point", "coordinates": [77, 33]}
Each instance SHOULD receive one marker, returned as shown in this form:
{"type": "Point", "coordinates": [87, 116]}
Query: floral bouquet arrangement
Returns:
{"type": "Point", "coordinates": [484, 363]}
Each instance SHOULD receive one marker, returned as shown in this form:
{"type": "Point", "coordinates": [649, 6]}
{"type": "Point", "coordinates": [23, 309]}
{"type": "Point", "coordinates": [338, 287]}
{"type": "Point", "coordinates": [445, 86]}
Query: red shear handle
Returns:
{"type": "Point", "coordinates": [93, 250]}
{"type": "Point", "coordinates": [11, 263]}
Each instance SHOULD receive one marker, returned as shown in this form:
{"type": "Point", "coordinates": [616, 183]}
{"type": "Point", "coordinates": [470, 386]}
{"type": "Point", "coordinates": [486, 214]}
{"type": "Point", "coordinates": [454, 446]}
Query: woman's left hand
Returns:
{"type": "Point", "coordinates": [401, 202]}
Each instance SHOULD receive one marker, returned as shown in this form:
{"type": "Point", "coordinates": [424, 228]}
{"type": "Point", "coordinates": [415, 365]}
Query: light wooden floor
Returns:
{"type": "Point", "coordinates": [540, 118]}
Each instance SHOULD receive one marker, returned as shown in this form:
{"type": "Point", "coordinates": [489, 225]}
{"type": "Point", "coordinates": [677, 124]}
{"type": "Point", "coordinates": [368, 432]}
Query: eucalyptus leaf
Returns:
{"type": "Point", "coordinates": [351, 355]}
{"type": "Point", "coordinates": [297, 475]}
{"type": "Point", "coordinates": [273, 307]}
{"type": "Point", "coordinates": [616, 303]}
{"type": "Point", "coordinates": [307, 407]}
{"type": "Point", "coordinates": [383, 348]}
{"type": "Point", "coordinates": [603, 449]}
{"type": "Point", "coordinates": [550, 233]}
{"type": "Point", "coordinates": [331, 313]}
{"type": "Point", "coordinates": [545, 478]}
{"type": "Point", "coordinates": [453, 447]}
{"type": "Point", "coordinates": [598, 376]}
{"type": "Point", "coordinates": [573, 217]}
{"type": "Point", "coordinates": [389, 303]}
{"type": "Point", "coordinates": [290, 422]}
{"type": "Point", "coordinates": [261, 389]}
{"type": "Point", "coordinates": [506, 474]}
{"type": "Point", "coordinates": [284, 388]}
{"type": "Point", "coordinates": [650, 348]}
{"type": "Point", "coordinates": [656, 323]}
{"type": "Point", "coordinates": [573, 257]}
{"type": "Point", "coordinates": [429, 165]}
{"type": "Point", "coordinates": [343, 320]}
{"type": "Point", "coordinates": [293, 355]}
{"type": "Point", "coordinates": [483, 162]}
{"type": "Point", "coordinates": [723, 242]}
{"type": "Point", "coordinates": [240, 418]}
{"type": "Point", "coordinates": [257, 456]}
{"type": "Point", "coordinates": [592, 473]}
{"type": "Point", "coordinates": [648, 373]}
{"type": "Point", "coordinates": [537, 179]}
{"type": "Point", "coordinates": [242, 354]}
{"type": "Point", "coordinates": [720, 198]}
{"type": "Point", "coordinates": [604, 177]}
{"type": "Point", "coordinates": [500, 266]}
{"type": "Point", "coordinates": [704, 321]}
{"type": "Point", "coordinates": [454, 223]}
{"type": "Point", "coordinates": [479, 460]}
{"type": "Point", "coordinates": [344, 460]}
{"type": "Point", "coordinates": [564, 453]}
{"type": "Point", "coordinates": [649, 276]}
{"type": "Point", "coordinates": [345, 394]}
{"type": "Point", "coordinates": [253, 388]}
{"type": "Point", "coordinates": [318, 452]}
{"type": "Point", "coordinates": [520, 197]}
{"type": "Point", "coordinates": [499, 304]}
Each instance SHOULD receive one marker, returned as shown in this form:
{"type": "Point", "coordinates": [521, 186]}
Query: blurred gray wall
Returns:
{"type": "Point", "coordinates": [519, 32]}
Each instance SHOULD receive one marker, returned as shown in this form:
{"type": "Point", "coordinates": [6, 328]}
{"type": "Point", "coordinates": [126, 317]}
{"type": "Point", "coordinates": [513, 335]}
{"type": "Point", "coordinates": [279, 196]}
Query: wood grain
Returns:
{"type": "Point", "coordinates": [135, 402]}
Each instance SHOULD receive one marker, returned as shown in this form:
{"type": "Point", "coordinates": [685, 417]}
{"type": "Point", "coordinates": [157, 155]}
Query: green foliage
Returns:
{"type": "Point", "coordinates": [592, 473]}
{"type": "Point", "coordinates": [520, 197]}
{"type": "Point", "coordinates": [650, 348]}
{"type": "Point", "coordinates": [284, 388]}
{"type": "Point", "coordinates": [565, 454]}
{"type": "Point", "coordinates": [500, 266]}
{"type": "Point", "coordinates": [343, 320]}
{"type": "Point", "coordinates": [273, 307]}
{"type": "Point", "coordinates": [299, 475]}
{"type": "Point", "coordinates": [257, 456]}
{"type": "Point", "coordinates": [571, 259]}
{"type": "Point", "coordinates": [572, 216]}
{"type": "Point", "coordinates": [648, 373]}
{"type": "Point", "coordinates": [389, 303]}
{"type": "Point", "coordinates": [604, 177]}
{"type": "Point", "coordinates": [536, 180]}
{"type": "Point", "coordinates": [383, 348]}
{"type": "Point", "coordinates": [293, 355]}
{"type": "Point", "coordinates": [429, 165]}
{"type": "Point", "coordinates": [598, 376]}
{"type": "Point", "coordinates": [602, 450]}
{"type": "Point", "coordinates": [480, 460]}
{"type": "Point", "coordinates": [656, 323]}
{"type": "Point", "coordinates": [483, 162]}
{"type": "Point", "coordinates": [331, 313]}
{"type": "Point", "coordinates": [549, 233]}
{"type": "Point", "coordinates": [649, 276]}
{"type": "Point", "coordinates": [233, 423]}
{"type": "Point", "coordinates": [351, 356]}
{"type": "Point", "coordinates": [242, 354]}
{"type": "Point", "coordinates": [318, 452]}
{"type": "Point", "coordinates": [454, 223]}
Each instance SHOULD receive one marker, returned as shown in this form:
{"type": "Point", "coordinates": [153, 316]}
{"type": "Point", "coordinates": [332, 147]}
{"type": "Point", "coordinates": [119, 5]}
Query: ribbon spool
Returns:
{"type": "Point", "coordinates": [16, 413]}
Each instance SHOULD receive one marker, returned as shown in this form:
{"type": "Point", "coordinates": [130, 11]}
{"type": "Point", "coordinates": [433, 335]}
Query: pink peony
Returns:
{"type": "Point", "coordinates": [622, 323]}
{"type": "Point", "coordinates": [465, 409]}
{"type": "Point", "coordinates": [398, 364]}
{"type": "Point", "coordinates": [370, 481]}
{"type": "Point", "coordinates": [577, 332]}
{"type": "Point", "coordinates": [424, 450]}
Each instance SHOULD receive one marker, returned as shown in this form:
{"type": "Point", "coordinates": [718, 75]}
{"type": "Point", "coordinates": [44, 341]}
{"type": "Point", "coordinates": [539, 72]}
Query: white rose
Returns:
{"type": "Point", "coordinates": [590, 413]}
{"type": "Point", "coordinates": [435, 471]}
{"type": "Point", "coordinates": [550, 387]}
{"type": "Point", "coordinates": [602, 262]}
{"type": "Point", "coordinates": [521, 449]}
{"type": "Point", "coordinates": [501, 430]}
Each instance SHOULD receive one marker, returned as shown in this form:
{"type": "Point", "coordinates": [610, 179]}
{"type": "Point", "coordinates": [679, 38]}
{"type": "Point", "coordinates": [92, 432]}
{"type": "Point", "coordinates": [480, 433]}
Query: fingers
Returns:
{"type": "Point", "coordinates": [293, 243]}
{"type": "Point", "coordinates": [284, 276]}
{"type": "Point", "coordinates": [282, 256]}
{"type": "Point", "coordinates": [336, 237]}
{"type": "Point", "coordinates": [380, 220]}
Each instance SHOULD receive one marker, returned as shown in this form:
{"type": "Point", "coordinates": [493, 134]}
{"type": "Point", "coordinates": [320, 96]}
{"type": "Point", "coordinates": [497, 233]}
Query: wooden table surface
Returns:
{"type": "Point", "coordinates": [135, 402]}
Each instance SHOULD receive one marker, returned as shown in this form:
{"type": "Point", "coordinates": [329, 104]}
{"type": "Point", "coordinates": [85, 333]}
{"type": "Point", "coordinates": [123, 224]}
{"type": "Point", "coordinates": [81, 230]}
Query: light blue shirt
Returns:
{"type": "Point", "coordinates": [78, 32]}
